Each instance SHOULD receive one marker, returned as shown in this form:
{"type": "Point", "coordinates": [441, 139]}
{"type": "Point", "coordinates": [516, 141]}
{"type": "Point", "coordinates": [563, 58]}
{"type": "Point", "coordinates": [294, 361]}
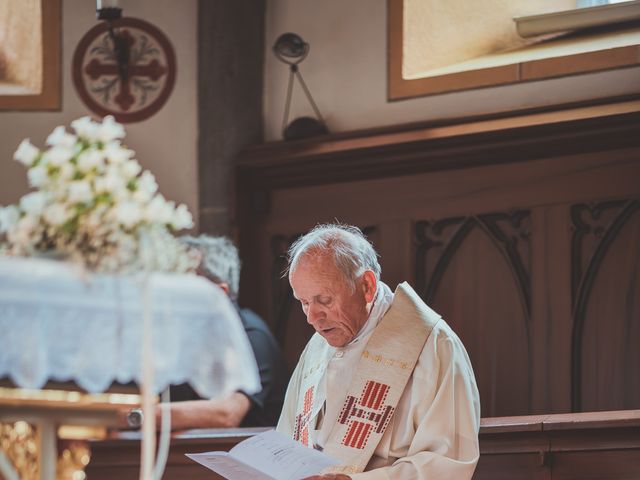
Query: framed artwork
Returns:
{"type": "Point", "coordinates": [30, 54]}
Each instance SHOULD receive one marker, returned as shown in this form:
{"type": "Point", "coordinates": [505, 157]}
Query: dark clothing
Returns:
{"type": "Point", "coordinates": [267, 403]}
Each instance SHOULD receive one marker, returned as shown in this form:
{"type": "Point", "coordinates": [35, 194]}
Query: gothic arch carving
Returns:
{"type": "Point", "coordinates": [595, 227]}
{"type": "Point", "coordinates": [443, 247]}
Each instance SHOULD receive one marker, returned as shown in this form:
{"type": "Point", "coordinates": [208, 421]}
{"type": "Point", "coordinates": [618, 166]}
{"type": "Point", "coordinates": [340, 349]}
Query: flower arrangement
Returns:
{"type": "Point", "coordinates": [92, 203]}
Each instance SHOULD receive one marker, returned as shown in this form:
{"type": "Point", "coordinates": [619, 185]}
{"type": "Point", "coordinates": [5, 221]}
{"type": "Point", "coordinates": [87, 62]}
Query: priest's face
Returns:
{"type": "Point", "coordinates": [332, 308]}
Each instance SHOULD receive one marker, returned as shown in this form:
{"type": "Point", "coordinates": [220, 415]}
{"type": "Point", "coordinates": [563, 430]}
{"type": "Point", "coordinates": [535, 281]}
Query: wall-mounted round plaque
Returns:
{"type": "Point", "coordinates": [133, 88]}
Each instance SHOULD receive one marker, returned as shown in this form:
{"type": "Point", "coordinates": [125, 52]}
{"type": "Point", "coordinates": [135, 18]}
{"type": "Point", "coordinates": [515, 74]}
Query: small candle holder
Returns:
{"type": "Point", "coordinates": [108, 10]}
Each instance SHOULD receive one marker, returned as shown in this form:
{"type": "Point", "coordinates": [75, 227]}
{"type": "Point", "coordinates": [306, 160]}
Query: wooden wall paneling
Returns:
{"type": "Point", "coordinates": [395, 179]}
{"type": "Point", "coordinates": [513, 466]}
{"type": "Point", "coordinates": [395, 247]}
{"type": "Point", "coordinates": [606, 315]}
{"type": "Point", "coordinates": [297, 334]}
{"type": "Point", "coordinates": [546, 185]}
{"type": "Point", "coordinates": [445, 145]}
{"type": "Point", "coordinates": [509, 233]}
{"type": "Point", "coordinates": [478, 279]}
{"type": "Point", "coordinates": [551, 309]}
{"type": "Point", "coordinates": [290, 324]}
{"type": "Point", "coordinates": [546, 181]}
{"type": "Point", "coordinates": [250, 207]}
{"type": "Point", "coordinates": [612, 464]}
{"type": "Point", "coordinates": [282, 300]}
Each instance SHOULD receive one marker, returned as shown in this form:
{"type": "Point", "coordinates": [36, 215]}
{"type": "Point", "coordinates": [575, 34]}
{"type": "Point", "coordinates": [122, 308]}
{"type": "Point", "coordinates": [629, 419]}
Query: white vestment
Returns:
{"type": "Point", "coordinates": [433, 433]}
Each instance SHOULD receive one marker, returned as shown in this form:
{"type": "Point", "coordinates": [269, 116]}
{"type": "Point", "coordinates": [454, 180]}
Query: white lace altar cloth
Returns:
{"type": "Point", "coordinates": [59, 323]}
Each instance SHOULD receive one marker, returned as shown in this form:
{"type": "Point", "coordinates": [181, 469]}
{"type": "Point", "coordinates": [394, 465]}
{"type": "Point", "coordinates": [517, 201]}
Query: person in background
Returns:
{"type": "Point", "coordinates": [220, 264]}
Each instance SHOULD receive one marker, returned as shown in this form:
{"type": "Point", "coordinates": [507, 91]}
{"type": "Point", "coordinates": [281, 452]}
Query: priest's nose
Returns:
{"type": "Point", "coordinates": [314, 313]}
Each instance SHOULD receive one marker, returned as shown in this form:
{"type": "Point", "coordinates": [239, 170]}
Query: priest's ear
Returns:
{"type": "Point", "coordinates": [369, 285]}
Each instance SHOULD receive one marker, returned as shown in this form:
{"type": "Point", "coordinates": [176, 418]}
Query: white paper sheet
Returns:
{"type": "Point", "coordinates": [267, 456]}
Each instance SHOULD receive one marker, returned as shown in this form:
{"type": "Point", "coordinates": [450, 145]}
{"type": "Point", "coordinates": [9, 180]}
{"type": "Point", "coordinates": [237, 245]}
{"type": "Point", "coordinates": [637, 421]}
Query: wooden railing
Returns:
{"type": "Point", "coordinates": [595, 445]}
{"type": "Point", "coordinates": [118, 457]}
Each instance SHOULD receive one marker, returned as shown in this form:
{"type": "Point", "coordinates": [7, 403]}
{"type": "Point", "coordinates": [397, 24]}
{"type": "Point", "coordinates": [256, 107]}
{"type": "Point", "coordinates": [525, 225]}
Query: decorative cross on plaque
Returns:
{"type": "Point", "coordinates": [366, 414]}
{"type": "Point", "coordinates": [131, 84]}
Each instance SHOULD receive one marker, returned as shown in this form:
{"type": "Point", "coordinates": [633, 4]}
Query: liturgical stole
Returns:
{"type": "Point", "coordinates": [385, 366]}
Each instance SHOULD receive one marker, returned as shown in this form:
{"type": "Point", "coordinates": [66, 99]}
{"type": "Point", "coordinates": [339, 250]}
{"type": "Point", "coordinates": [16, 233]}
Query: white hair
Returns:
{"type": "Point", "coordinates": [220, 261]}
{"type": "Point", "coordinates": [350, 250]}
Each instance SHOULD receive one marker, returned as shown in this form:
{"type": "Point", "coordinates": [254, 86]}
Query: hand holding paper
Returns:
{"type": "Point", "coordinates": [267, 456]}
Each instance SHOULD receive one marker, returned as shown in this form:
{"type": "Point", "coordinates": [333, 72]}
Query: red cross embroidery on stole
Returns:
{"type": "Point", "coordinates": [368, 415]}
{"type": "Point", "coordinates": [301, 430]}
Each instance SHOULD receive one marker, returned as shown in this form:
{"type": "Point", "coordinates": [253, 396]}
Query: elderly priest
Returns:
{"type": "Point", "coordinates": [384, 385]}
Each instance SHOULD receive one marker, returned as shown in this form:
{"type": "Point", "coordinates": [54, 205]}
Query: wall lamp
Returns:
{"type": "Point", "coordinates": [291, 49]}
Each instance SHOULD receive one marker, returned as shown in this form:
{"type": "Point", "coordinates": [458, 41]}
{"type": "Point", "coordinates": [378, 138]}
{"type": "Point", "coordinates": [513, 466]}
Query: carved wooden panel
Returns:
{"type": "Point", "coordinates": [544, 292]}
{"type": "Point", "coordinates": [280, 288]}
{"type": "Point", "coordinates": [606, 305]}
{"type": "Point", "coordinates": [475, 272]}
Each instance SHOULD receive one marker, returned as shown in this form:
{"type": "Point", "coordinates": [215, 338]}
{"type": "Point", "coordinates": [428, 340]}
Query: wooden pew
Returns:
{"type": "Point", "coordinates": [589, 446]}
{"type": "Point", "coordinates": [593, 445]}
{"type": "Point", "coordinates": [118, 457]}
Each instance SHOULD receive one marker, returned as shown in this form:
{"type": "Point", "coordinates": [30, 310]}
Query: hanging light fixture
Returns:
{"type": "Point", "coordinates": [291, 49]}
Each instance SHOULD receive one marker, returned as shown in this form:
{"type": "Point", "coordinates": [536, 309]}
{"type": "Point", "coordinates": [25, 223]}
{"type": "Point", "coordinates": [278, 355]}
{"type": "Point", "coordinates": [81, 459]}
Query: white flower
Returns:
{"type": "Point", "coordinates": [122, 195]}
{"type": "Point", "coordinates": [57, 155]}
{"type": "Point", "coordinates": [86, 128]}
{"type": "Point", "coordinates": [147, 183]}
{"type": "Point", "coordinates": [141, 197]}
{"type": "Point", "coordinates": [34, 203]}
{"type": "Point", "coordinates": [96, 217]}
{"type": "Point", "coordinates": [120, 222]}
{"type": "Point", "coordinates": [9, 216]}
{"type": "Point", "coordinates": [158, 210]}
{"type": "Point", "coordinates": [109, 130]}
{"type": "Point", "coordinates": [116, 153]}
{"type": "Point", "coordinates": [57, 214]}
{"type": "Point", "coordinates": [128, 213]}
{"type": "Point", "coordinates": [22, 233]}
{"type": "Point", "coordinates": [131, 168]}
{"type": "Point", "coordinates": [37, 176]}
{"type": "Point", "coordinates": [146, 187]}
{"type": "Point", "coordinates": [182, 218]}
{"type": "Point", "coordinates": [90, 159]}
{"type": "Point", "coordinates": [80, 192]}
{"type": "Point", "coordinates": [100, 184]}
{"type": "Point", "coordinates": [26, 153]}
{"type": "Point", "coordinates": [111, 182]}
{"type": "Point", "coordinates": [66, 172]}
{"type": "Point", "coordinates": [60, 138]}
